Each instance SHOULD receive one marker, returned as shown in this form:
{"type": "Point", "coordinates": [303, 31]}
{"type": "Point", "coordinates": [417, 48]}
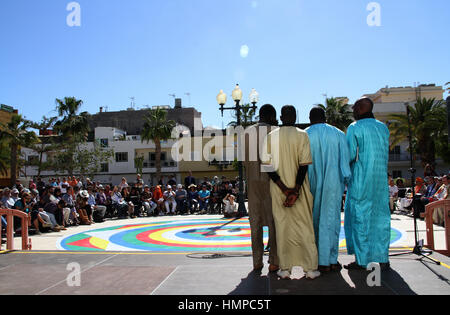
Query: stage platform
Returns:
{"type": "Point", "coordinates": [196, 256]}
{"type": "Point", "coordinates": [131, 273]}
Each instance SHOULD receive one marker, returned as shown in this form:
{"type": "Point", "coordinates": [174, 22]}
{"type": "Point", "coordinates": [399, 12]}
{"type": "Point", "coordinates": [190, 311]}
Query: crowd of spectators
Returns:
{"type": "Point", "coordinates": [426, 190]}
{"type": "Point", "coordinates": [57, 204]}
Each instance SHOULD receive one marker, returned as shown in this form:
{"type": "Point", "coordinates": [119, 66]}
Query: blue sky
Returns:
{"type": "Point", "coordinates": [298, 51]}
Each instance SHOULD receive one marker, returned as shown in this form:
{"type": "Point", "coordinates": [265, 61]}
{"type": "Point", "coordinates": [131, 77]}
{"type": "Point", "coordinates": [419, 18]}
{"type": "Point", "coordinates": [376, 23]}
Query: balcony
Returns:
{"type": "Point", "coordinates": [164, 164]}
{"type": "Point", "coordinates": [399, 157]}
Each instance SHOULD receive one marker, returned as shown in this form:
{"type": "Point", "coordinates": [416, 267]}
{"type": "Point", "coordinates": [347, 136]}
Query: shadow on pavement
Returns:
{"type": "Point", "coordinates": [333, 283]}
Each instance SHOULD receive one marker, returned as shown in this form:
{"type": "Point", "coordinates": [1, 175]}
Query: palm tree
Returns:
{"type": "Point", "coordinates": [157, 128]}
{"type": "Point", "coordinates": [248, 116]}
{"type": "Point", "coordinates": [17, 134]}
{"type": "Point", "coordinates": [338, 113]}
{"type": "Point", "coordinates": [45, 143]}
{"type": "Point", "coordinates": [4, 158]}
{"type": "Point", "coordinates": [73, 127]}
{"type": "Point", "coordinates": [428, 121]}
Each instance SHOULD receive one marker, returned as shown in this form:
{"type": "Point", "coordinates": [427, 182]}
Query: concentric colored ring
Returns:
{"type": "Point", "coordinates": [190, 235]}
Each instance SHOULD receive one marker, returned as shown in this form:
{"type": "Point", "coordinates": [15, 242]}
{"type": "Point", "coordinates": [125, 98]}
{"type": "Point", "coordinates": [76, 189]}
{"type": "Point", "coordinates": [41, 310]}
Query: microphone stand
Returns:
{"type": "Point", "coordinates": [418, 247]}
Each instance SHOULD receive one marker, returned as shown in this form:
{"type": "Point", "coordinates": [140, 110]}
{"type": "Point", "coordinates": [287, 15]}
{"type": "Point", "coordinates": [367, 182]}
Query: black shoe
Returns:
{"type": "Point", "coordinates": [336, 267]}
{"type": "Point", "coordinates": [385, 266]}
{"type": "Point", "coordinates": [354, 266]}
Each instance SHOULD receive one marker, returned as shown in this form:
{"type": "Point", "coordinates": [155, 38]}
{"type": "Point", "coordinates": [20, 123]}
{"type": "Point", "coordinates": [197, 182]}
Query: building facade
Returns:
{"type": "Point", "coordinates": [391, 100]}
{"type": "Point", "coordinates": [6, 113]}
{"type": "Point", "coordinates": [203, 160]}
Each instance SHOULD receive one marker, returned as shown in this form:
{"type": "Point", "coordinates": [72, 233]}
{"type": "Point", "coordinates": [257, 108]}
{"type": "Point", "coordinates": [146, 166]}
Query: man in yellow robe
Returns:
{"type": "Point", "coordinates": [288, 153]}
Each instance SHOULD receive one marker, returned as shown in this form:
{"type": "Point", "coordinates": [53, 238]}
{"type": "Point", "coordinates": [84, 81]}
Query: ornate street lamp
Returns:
{"type": "Point", "coordinates": [237, 97]}
{"type": "Point", "coordinates": [222, 100]}
{"type": "Point", "coordinates": [254, 97]}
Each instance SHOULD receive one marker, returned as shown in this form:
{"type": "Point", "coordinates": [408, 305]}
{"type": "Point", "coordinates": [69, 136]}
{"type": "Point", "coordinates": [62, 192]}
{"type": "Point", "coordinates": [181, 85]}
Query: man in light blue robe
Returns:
{"type": "Point", "coordinates": [328, 175]}
{"type": "Point", "coordinates": [367, 212]}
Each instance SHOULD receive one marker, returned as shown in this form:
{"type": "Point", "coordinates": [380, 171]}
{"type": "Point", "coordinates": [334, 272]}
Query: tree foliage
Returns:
{"type": "Point", "coordinates": [337, 113]}
{"type": "Point", "coordinates": [248, 116]}
{"type": "Point", "coordinates": [17, 134]}
{"type": "Point", "coordinates": [157, 128]}
{"type": "Point", "coordinates": [428, 128]}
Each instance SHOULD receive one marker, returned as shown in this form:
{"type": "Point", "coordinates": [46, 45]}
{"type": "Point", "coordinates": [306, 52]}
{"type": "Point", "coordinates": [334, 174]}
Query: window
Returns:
{"type": "Point", "coordinates": [104, 168]}
{"type": "Point", "coordinates": [152, 156]}
{"type": "Point", "coordinates": [33, 159]}
{"type": "Point", "coordinates": [121, 157]}
{"type": "Point", "coordinates": [396, 150]}
{"type": "Point", "coordinates": [104, 143]}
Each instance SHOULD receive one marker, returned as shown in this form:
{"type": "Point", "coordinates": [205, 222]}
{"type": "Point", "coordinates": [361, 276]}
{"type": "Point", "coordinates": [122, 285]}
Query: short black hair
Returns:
{"type": "Point", "coordinates": [288, 115]}
{"type": "Point", "coordinates": [267, 111]}
{"type": "Point", "coordinates": [317, 114]}
{"type": "Point", "coordinates": [288, 110]}
{"type": "Point", "coordinates": [366, 102]}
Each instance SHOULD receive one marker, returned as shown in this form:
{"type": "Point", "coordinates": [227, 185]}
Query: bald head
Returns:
{"type": "Point", "coordinates": [362, 106]}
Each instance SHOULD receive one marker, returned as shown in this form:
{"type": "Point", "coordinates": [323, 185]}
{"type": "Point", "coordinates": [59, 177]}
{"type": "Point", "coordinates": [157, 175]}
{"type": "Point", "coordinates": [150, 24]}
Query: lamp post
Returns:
{"type": "Point", "coordinates": [448, 118]}
{"type": "Point", "coordinates": [237, 97]}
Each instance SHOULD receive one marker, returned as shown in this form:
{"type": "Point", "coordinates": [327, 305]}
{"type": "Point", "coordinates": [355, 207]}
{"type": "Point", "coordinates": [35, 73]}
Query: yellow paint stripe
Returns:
{"type": "Point", "coordinates": [158, 236]}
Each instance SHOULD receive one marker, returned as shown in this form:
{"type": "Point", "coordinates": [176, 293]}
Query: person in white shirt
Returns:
{"type": "Point", "coordinates": [393, 194]}
{"type": "Point", "coordinates": [119, 202]}
{"type": "Point", "coordinates": [169, 196]}
{"type": "Point", "coordinates": [123, 183]}
{"type": "Point", "coordinates": [230, 206]}
{"type": "Point", "coordinates": [7, 200]}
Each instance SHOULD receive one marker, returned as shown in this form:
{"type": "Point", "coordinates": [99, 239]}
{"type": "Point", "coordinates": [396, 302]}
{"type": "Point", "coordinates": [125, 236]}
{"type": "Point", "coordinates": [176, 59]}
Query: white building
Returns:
{"type": "Point", "coordinates": [126, 148]}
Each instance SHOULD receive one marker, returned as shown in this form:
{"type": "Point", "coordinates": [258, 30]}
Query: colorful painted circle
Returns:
{"type": "Point", "coordinates": [194, 235]}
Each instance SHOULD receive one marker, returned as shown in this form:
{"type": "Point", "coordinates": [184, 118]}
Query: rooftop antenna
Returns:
{"type": "Point", "coordinates": [132, 102]}
{"type": "Point", "coordinates": [326, 97]}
